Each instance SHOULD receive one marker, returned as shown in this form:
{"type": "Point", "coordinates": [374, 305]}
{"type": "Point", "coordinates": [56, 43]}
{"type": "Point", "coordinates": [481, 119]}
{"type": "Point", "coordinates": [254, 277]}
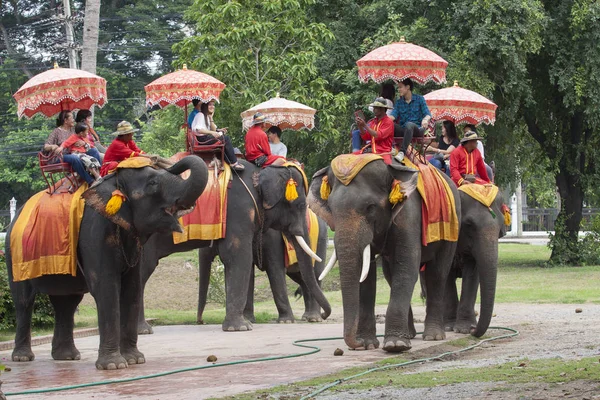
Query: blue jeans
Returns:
{"type": "Point", "coordinates": [408, 131]}
{"type": "Point", "coordinates": [356, 140]}
{"type": "Point", "coordinates": [78, 167]}
{"type": "Point", "coordinates": [441, 165]}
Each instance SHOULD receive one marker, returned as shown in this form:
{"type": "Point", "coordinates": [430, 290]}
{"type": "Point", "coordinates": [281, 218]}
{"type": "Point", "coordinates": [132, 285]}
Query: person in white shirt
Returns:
{"type": "Point", "coordinates": [277, 146]}
{"type": "Point", "coordinates": [207, 133]}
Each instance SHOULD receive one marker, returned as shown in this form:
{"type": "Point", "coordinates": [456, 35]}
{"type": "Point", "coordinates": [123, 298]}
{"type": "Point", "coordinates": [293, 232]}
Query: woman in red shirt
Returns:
{"type": "Point", "coordinates": [122, 147]}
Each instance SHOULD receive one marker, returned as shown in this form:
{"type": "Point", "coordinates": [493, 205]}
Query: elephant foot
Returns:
{"type": "Point", "coordinates": [286, 319]}
{"type": "Point", "coordinates": [464, 326]}
{"type": "Point", "coordinates": [22, 354]}
{"type": "Point", "coordinates": [449, 325]}
{"type": "Point", "coordinates": [69, 352]}
{"type": "Point", "coordinates": [433, 333]}
{"type": "Point", "coordinates": [250, 317]}
{"type": "Point", "coordinates": [312, 316]}
{"type": "Point", "coordinates": [111, 361]}
{"type": "Point", "coordinates": [133, 356]}
{"type": "Point", "coordinates": [144, 328]}
{"type": "Point", "coordinates": [236, 324]}
{"type": "Point", "coordinates": [396, 344]}
{"type": "Point", "coordinates": [365, 344]}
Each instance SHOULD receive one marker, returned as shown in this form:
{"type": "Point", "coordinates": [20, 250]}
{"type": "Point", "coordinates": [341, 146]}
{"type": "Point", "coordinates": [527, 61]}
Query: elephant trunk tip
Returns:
{"type": "Point", "coordinates": [325, 314]}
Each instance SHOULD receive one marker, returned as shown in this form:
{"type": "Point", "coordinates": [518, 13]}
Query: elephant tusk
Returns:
{"type": "Point", "coordinates": [329, 266]}
{"type": "Point", "coordinates": [366, 263]}
{"type": "Point", "coordinates": [307, 249]}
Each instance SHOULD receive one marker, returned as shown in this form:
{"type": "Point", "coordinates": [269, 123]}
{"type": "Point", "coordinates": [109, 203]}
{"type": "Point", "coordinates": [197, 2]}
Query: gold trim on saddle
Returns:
{"type": "Point", "coordinates": [346, 166]}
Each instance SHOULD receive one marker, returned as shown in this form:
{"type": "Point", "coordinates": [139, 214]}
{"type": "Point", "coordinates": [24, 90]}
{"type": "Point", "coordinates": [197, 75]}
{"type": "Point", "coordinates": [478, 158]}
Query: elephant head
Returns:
{"type": "Point", "coordinates": [149, 199]}
{"type": "Point", "coordinates": [361, 212]}
{"type": "Point", "coordinates": [283, 194]}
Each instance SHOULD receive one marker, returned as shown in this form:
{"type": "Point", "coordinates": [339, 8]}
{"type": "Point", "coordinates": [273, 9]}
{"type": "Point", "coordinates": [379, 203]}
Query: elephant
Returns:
{"type": "Point", "coordinates": [108, 255]}
{"type": "Point", "coordinates": [476, 260]}
{"type": "Point", "coordinates": [255, 203]}
{"type": "Point", "coordinates": [274, 265]}
{"type": "Point", "coordinates": [366, 223]}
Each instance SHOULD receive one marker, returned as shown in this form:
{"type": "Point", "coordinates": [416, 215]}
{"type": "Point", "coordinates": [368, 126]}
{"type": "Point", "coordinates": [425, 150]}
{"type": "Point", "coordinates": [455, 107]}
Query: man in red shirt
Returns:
{"type": "Point", "coordinates": [122, 147]}
{"type": "Point", "coordinates": [258, 150]}
{"type": "Point", "coordinates": [380, 130]}
{"type": "Point", "coordinates": [466, 162]}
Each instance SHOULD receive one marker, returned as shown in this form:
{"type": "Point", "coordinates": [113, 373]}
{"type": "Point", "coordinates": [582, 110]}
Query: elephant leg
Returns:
{"type": "Point", "coordinates": [450, 301]}
{"type": "Point", "coordinates": [249, 309]}
{"type": "Point", "coordinates": [131, 288]}
{"type": "Point", "coordinates": [23, 296]}
{"type": "Point", "coordinates": [312, 309]}
{"type": "Point", "coordinates": [367, 330]}
{"type": "Point", "coordinates": [237, 258]}
{"type": "Point", "coordinates": [436, 275]}
{"type": "Point", "coordinates": [465, 316]}
{"type": "Point", "coordinates": [148, 264]}
{"type": "Point", "coordinates": [206, 256]}
{"type": "Point", "coordinates": [63, 346]}
{"type": "Point", "coordinates": [273, 262]}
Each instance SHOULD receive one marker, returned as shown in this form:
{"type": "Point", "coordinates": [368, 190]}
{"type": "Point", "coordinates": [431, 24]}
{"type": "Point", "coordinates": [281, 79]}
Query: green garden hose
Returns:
{"type": "Point", "coordinates": [314, 349]}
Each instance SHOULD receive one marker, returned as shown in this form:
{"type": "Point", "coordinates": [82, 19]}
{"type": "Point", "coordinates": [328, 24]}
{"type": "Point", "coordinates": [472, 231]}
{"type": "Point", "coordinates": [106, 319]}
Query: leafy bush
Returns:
{"type": "Point", "coordinates": [216, 288]}
{"type": "Point", "coordinates": [586, 251]}
{"type": "Point", "coordinates": [43, 312]}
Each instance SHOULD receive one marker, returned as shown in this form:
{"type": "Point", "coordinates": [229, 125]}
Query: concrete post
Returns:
{"type": "Point", "coordinates": [513, 216]}
{"type": "Point", "coordinates": [13, 208]}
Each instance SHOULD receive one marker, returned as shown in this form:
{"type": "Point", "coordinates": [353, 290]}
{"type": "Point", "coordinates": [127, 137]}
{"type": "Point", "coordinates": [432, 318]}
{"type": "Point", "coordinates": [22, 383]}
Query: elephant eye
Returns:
{"type": "Point", "coordinates": [152, 182]}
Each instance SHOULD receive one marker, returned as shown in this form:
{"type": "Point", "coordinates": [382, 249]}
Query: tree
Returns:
{"type": "Point", "coordinates": [91, 26]}
{"type": "Point", "coordinates": [258, 49]}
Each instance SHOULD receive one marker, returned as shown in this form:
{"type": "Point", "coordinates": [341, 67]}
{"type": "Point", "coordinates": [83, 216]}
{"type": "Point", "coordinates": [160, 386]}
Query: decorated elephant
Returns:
{"type": "Point", "coordinates": [476, 260]}
{"type": "Point", "coordinates": [258, 199]}
{"type": "Point", "coordinates": [273, 263]}
{"type": "Point", "coordinates": [118, 217]}
{"type": "Point", "coordinates": [376, 208]}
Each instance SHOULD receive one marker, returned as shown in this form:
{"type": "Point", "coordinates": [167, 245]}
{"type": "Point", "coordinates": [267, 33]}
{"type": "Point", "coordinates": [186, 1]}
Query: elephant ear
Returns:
{"type": "Point", "coordinates": [98, 197]}
{"type": "Point", "coordinates": [318, 192]}
{"type": "Point", "coordinates": [407, 178]}
{"type": "Point", "coordinates": [271, 185]}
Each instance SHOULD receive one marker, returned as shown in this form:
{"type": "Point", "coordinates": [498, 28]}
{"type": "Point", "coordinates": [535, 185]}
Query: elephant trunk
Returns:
{"type": "Point", "coordinates": [308, 276]}
{"type": "Point", "coordinates": [195, 183]}
{"type": "Point", "coordinates": [350, 249]}
{"type": "Point", "coordinates": [488, 272]}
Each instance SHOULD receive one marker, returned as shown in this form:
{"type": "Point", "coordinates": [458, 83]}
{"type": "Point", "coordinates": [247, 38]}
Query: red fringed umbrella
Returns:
{"type": "Point", "coordinates": [60, 89]}
{"type": "Point", "coordinates": [181, 87]}
{"type": "Point", "coordinates": [286, 114]}
{"type": "Point", "coordinates": [401, 60]}
{"type": "Point", "coordinates": [461, 106]}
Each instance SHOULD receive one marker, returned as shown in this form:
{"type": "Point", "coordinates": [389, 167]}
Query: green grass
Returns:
{"type": "Point", "coordinates": [512, 373]}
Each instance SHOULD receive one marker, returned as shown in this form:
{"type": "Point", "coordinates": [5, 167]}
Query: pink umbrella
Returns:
{"type": "Point", "coordinates": [461, 106]}
{"type": "Point", "coordinates": [60, 89]}
{"type": "Point", "coordinates": [401, 60]}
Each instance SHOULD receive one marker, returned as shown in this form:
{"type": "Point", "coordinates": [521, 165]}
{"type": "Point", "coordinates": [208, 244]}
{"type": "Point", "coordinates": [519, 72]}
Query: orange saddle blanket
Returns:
{"type": "Point", "coordinates": [208, 219]}
{"type": "Point", "coordinates": [440, 221]}
{"type": "Point", "coordinates": [43, 240]}
{"type": "Point", "coordinates": [313, 235]}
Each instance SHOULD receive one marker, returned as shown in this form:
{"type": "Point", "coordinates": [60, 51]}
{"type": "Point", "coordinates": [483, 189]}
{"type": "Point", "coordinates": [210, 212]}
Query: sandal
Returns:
{"type": "Point", "coordinates": [237, 166]}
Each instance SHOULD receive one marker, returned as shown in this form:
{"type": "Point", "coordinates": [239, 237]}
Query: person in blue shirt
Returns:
{"type": "Point", "coordinates": [197, 103]}
{"type": "Point", "coordinates": [410, 113]}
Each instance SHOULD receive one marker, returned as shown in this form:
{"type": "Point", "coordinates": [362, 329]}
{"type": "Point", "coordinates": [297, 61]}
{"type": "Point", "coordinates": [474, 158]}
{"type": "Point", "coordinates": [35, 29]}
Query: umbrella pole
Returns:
{"type": "Point", "coordinates": [185, 105]}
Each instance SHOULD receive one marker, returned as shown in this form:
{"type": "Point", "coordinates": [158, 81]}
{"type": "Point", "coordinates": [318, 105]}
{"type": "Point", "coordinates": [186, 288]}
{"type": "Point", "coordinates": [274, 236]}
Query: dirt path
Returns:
{"type": "Point", "coordinates": [547, 331]}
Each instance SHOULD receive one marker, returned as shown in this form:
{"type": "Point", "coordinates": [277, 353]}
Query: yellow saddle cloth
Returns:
{"type": "Point", "coordinates": [43, 240]}
{"type": "Point", "coordinates": [485, 194]}
{"type": "Point", "coordinates": [313, 235]}
{"type": "Point", "coordinates": [346, 166]}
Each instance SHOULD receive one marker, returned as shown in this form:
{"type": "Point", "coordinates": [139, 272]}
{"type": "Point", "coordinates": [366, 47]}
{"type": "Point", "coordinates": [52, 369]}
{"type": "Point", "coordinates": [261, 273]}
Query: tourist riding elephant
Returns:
{"type": "Point", "coordinates": [367, 223]}
{"type": "Point", "coordinates": [274, 264]}
{"type": "Point", "coordinates": [256, 202]}
{"type": "Point", "coordinates": [108, 253]}
{"type": "Point", "coordinates": [476, 261]}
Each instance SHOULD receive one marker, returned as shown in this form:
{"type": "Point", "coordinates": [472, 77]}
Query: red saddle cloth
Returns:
{"type": "Point", "coordinates": [208, 219]}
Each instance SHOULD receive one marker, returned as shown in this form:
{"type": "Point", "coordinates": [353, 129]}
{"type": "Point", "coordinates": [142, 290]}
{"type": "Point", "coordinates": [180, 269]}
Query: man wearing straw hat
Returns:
{"type": "Point", "coordinates": [258, 150]}
{"type": "Point", "coordinates": [466, 162]}
{"type": "Point", "coordinates": [122, 147]}
{"type": "Point", "coordinates": [379, 130]}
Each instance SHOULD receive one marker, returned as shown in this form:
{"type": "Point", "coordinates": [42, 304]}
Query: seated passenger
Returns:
{"type": "Point", "coordinates": [388, 93]}
{"type": "Point", "coordinates": [275, 143]}
{"type": "Point", "coordinates": [471, 128]}
{"type": "Point", "coordinates": [87, 153]}
{"type": "Point", "coordinates": [207, 133]}
{"type": "Point", "coordinates": [411, 113]}
{"type": "Point", "coordinates": [121, 148]}
{"type": "Point", "coordinates": [380, 130]}
{"type": "Point", "coordinates": [466, 164]}
{"type": "Point", "coordinates": [258, 150]}
{"type": "Point", "coordinates": [64, 129]}
{"type": "Point", "coordinates": [196, 103]}
{"type": "Point", "coordinates": [85, 116]}
{"type": "Point", "coordinates": [448, 142]}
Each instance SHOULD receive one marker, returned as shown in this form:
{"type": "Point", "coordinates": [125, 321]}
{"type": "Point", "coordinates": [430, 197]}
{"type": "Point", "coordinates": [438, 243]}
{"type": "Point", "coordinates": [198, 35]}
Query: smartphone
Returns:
{"type": "Point", "coordinates": [359, 114]}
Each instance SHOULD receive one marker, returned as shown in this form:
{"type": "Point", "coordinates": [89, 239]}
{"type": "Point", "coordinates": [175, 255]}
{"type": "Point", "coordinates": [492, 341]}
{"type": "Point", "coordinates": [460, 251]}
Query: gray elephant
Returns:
{"type": "Point", "coordinates": [476, 261]}
{"type": "Point", "coordinates": [366, 223]}
{"type": "Point", "coordinates": [274, 265]}
{"type": "Point", "coordinates": [108, 252]}
{"type": "Point", "coordinates": [256, 202]}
